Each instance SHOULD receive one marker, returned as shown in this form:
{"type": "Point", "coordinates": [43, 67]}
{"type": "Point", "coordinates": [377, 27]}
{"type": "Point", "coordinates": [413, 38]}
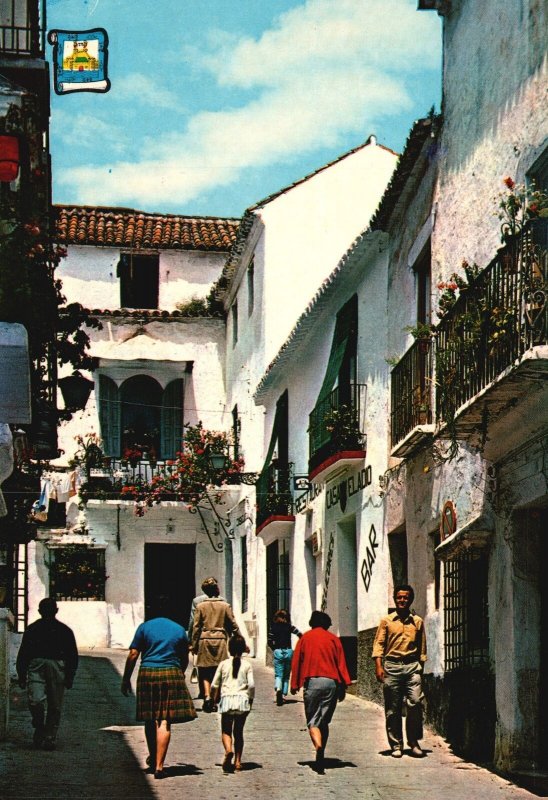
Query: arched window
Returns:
{"type": "Point", "coordinates": [141, 404]}
{"type": "Point", "coordinates": [141, 415]}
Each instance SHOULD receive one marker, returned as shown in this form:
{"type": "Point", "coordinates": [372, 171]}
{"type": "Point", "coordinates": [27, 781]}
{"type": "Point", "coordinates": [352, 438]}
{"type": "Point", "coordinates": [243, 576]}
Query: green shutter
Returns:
{"type": "Point", "coordinates": [172, 419]}
{"type": "Point", "coordinates": [279, 420]}
{"type": "Point", "coordinates": [109, 415]}
{"type": "Point", "coordinates": [346, 322]}
{"type": "Point", "coordinates": [347, 319]}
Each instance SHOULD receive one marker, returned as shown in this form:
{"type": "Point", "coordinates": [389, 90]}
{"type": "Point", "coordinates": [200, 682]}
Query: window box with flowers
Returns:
{"type": "Point", "coordinates": [77, 572]}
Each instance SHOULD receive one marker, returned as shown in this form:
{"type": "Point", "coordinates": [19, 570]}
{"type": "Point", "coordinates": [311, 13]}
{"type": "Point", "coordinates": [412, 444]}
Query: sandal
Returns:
{"type": "Point", "coordinates": [227, 761]}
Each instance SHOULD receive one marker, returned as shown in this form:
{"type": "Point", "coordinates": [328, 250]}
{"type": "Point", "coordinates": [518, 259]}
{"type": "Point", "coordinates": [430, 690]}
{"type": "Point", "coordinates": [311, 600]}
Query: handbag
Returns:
{"type": "Point", "coordinates": [341, 692]}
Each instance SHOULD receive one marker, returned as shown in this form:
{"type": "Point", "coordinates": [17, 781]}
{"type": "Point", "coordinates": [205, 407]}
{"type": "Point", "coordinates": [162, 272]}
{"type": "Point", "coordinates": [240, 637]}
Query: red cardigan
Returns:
{"type": "Point", "coordinates": [318, 654]}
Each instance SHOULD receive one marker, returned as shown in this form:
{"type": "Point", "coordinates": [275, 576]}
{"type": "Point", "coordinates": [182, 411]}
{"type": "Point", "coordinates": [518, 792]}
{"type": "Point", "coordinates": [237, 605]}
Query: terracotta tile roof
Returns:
{"type": "Point", "coordinates": [125, 227]}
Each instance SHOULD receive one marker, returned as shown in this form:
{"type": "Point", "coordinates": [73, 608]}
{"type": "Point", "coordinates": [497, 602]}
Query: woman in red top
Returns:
{"type": "Point", "coordinates": [319, 665]}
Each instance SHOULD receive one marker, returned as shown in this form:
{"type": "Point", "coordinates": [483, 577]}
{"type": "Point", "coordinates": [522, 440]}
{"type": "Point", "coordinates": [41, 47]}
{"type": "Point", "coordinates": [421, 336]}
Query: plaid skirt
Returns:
{"type": "Point", "coordinates": [162, 694]}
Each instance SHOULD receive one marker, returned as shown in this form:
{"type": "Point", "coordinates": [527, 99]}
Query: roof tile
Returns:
{"type": "Point", "coordinates": [123, 227]}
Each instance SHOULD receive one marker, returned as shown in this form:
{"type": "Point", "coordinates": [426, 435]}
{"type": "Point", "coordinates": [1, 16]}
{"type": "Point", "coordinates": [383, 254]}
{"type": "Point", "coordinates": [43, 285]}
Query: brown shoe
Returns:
{"type": "Point", "coordinates": [415, 751]}
{"type": "Point", "coordinates": [227, 762]}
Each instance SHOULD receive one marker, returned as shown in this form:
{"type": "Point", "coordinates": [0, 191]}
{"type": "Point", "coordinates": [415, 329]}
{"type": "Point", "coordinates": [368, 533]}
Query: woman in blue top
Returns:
{"type": "Point", "coordinates": [162, 694]}
{"type": "Point", "coordinates": [279, 641]}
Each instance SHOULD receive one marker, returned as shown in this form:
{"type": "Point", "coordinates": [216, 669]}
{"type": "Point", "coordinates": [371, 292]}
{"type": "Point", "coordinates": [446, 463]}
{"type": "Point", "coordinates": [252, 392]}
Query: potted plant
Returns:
{"type": "Point", "coordinates": [343, 426]}
{"type": "Point", "coordinates": [89, 454]}
{"type": "Point", "coordinates": [132, 455]}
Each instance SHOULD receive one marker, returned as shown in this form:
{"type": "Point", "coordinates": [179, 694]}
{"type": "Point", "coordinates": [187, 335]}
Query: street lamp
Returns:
{"type": "Point", "coordinates": [217, 460]}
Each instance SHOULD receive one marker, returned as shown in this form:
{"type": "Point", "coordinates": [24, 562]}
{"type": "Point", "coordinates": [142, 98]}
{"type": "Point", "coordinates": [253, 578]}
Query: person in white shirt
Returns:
{"type": "Point", "coordinates": [234, 682]}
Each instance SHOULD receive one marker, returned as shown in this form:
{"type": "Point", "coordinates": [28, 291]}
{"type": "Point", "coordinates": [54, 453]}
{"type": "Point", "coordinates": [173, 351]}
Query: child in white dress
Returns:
{"type": "Point", "coordinates": [234, 682]}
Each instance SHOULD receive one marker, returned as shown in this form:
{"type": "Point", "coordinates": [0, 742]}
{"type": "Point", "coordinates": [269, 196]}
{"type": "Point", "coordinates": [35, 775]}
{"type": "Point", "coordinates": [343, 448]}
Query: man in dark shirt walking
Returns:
{"type": "Point", "coordinates": [46, 664]}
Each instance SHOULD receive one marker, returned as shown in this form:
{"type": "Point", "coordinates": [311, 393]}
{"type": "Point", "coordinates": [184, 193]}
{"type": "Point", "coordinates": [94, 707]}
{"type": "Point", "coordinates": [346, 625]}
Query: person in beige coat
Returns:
{"type": "Point", "coordinates": [214, 623]}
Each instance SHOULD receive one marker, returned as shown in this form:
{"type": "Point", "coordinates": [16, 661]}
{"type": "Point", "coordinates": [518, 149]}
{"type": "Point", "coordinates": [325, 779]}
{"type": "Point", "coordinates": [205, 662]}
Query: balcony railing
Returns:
{"type": "Point", "coordinates": [501, 315]}
{"type": "Point", "coordinates": [22, 27]}
{"type": "Point", "coordinates": [411, 390]}
{"type": "Point", "coordinates": [337, 424]}
{"type": "Point", "coordinates": [278, 500]}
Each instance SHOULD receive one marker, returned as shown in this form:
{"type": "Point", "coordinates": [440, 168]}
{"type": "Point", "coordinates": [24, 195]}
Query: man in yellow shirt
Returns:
{"type": "Point", "coordinates": [399, 651]}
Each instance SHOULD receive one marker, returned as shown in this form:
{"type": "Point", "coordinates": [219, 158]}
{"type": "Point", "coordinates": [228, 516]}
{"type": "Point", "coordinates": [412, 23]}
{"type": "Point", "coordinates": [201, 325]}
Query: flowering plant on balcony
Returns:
{"type": "Point", "coordinates": [132, 454]}
{"type": "Point", "coordinates": [519, 204]}
{"type": "Point", "coordinates": [456, 283]}
{"type": "Point", "coordinates": [89, 454]}
{"type": "Point", "coordinates": [190, 475]}
{"type": "Point", "coordinates": [343, 426]}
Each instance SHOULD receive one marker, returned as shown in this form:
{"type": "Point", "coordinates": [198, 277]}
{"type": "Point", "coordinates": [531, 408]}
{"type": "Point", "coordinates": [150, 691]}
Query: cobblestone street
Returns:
{"type": "Point", "coordinates": [101, 752]}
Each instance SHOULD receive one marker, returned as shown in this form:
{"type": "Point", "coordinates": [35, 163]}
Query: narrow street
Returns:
{"type": "Point", "coordinates": [101, 752]}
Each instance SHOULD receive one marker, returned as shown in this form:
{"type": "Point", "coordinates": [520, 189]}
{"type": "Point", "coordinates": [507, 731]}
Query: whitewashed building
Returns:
{"type": "Point", "coordinates": [469, 532]}
{"type": "Point", "coordinates": [156, 369]}
{"type": "Point", "coordinates": [289, 245]}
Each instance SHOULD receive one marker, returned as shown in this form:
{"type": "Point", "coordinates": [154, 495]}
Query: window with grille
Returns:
{"type": "Point", "coordinates": [466, 617]}
{"type": "Point", "coordinates": [77, 572]}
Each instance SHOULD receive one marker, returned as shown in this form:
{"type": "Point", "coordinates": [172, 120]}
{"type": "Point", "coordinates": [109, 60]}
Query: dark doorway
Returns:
{"type": "Point", "coordinates": [170, 571]}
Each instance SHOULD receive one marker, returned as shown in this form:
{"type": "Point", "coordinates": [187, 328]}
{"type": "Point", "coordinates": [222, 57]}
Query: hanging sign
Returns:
{"type": "Point", "coordinates": [80, 60]}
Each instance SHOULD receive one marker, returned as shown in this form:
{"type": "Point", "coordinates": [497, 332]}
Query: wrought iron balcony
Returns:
{"type": "Point", "coordinates": [278, 500]}
{"type": "Point", "coordinates": [337, 425]}
{"type": "Point", "coordinates": [411, 395]}
{"type": "Point", "coordinates": [480, 348]}
{"type": "Point", "coordinates": [22, 28]}
{"type": "Point", "coordinates": [494, 322]}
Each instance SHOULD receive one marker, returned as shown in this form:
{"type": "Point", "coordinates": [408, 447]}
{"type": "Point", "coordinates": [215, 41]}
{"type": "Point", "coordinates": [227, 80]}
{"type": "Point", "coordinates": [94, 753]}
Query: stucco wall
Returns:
{"type": "Point", "coordinates": [89, 276]}
{"type": "Point", "coordinates": [495, 69]}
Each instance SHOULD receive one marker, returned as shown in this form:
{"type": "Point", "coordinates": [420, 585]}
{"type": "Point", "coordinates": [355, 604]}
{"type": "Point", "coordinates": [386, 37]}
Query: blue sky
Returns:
{"type": "Point", "coordinates": [217, 103]}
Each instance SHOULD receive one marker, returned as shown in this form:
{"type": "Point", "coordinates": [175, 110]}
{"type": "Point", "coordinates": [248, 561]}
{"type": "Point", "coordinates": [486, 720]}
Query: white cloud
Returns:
{"type": "Point", "coordinates": [325, 69]}
{"type": "Point", "coordinates": [85, 130]}
{"type": "Point", "coordinates": [142, 88]}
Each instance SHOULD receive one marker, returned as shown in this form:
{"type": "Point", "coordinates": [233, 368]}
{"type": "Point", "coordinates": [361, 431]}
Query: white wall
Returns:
{"type": "Point", "coordinates": [89, 276]}
{"type": "Point", "coordinates": [351, 606]}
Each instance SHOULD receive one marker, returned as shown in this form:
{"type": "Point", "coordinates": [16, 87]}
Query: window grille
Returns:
{"type": "Point", "coordinates": [466, 617]}
{"type": "Point", "coordinates": [77, 573]}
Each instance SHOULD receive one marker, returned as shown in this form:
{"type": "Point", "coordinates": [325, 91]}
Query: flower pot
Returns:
{"type": "Point", "coordinates": [133, 462]}
{"type": "Point", "coordinates": [76, 391]}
